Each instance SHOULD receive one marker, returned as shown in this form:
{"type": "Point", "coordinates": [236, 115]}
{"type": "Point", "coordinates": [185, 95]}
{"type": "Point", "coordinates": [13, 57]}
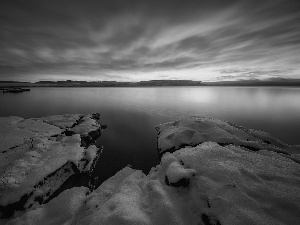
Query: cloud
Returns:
{"type": "Point", "coordinates": [141, 39]}
{"type": "Point", "coordinates": [246, 73]}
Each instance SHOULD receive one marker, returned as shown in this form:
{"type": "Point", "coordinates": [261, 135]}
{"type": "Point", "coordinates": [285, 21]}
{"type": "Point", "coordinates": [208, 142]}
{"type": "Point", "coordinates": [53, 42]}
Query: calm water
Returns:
{"type": "Point", "coordinates": [132, 113]}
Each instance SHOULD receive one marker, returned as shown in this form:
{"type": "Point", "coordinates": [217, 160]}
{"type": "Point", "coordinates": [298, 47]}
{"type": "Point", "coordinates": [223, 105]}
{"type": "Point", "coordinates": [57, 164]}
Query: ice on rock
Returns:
{"type": "Point", "coordinates": [87, 124]}
{"type": "Point", "coordinates": [116, 201]}
{"type": "Point", "coordinates": [61, 210]}
{"type": "Point", "coordinates": [228, 185]}
{"type": "Point", "coordinates": [62, 121]}
{"type": "Point", "coordinates": [91, 152]}
{"type": "Point", "coordinates": [11, 136]}
{"type": "Point", "coordinates": [173, 172]}
{"type": "Point", "coordinates": [205, 184]}
{"type": "Point", "coordinates": [166, 160]}
{"type": "Point", "coordinates": [129, 197]}
{"type": "Point", "coordinates": [195, 130]}
{"type": "Point", "coordinates": [38, 127]}
{"type": "Point", "coordinates": [37, 155]}
{"type": "Point", "coordinates": [177, 175]}
{"type": "Point", "coordinates": [34, 163]}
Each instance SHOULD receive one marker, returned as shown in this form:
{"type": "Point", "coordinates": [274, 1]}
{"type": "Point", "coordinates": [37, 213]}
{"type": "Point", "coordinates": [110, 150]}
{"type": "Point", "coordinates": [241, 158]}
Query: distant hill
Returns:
{"type": "Point", "coordinates": [154, 83]}
{"type": "Point", "coordinates": [256, 82]}
{"type": "Point", "coordinates": [70, 83]}
{"type": "Point", "coordinates": [170, 83]}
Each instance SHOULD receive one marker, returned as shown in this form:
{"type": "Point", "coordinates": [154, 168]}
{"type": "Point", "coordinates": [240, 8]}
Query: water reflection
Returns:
{"type": "Point", "coordinates": [132, 113]}
{"type": "Point", "coordinates": [129, 139]}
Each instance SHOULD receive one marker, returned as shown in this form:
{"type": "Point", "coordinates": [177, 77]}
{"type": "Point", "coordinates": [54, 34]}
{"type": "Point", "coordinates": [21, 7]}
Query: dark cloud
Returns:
{"type": "Point", "coordinates": [96, 39]}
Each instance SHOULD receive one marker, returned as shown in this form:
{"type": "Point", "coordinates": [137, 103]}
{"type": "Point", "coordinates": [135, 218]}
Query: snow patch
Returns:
{"type": "Point", "coordinates": [177, 175]}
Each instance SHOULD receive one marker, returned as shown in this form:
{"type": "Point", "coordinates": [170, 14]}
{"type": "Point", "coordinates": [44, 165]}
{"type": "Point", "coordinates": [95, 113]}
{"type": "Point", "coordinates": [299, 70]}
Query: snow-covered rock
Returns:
{"type": "Point", "coordinates": [195, 130]}
{"type": "Point", "coordinates": [208, 184]}
{"type": "Point", "coordinates": [61, 210]}
{"type": "Point", "coordinates": [222, 185]}
{"type": "Point", "coordinates": [38, 155]}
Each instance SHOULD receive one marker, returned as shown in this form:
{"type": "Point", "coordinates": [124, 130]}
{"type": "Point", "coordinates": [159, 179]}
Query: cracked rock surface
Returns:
{"type": "Point", "coordinates": [38, 155]}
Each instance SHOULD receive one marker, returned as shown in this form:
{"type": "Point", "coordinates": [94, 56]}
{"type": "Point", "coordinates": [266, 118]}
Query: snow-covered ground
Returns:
{"type": "Point", "coordinates": [203, 183]}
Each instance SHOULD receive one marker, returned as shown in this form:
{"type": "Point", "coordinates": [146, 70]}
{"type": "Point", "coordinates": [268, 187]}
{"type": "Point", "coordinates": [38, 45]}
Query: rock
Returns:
{"type": "Point", "coordinates": [61, 210]}
{"type": "Point", "coordinates": [178, 176]}
{"type": "Point", "coordinates": [38, 155]}
{"type": "Point", "coordinates": [193, 131]}
{"type": "Point", "coordinates": [206, 183]}
{"type": "Point", "coordinates": [226, 185]}
{"type": "Point", "coordinates": [63, 121]}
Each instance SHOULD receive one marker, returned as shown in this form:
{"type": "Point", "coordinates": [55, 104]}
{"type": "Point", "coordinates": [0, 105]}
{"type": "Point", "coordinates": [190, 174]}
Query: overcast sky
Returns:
{"type": "Point", "coordinates": [144, 40]}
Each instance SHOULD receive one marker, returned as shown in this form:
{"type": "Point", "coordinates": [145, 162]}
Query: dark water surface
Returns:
{"type": "Point", "coordinates": [132, 113]}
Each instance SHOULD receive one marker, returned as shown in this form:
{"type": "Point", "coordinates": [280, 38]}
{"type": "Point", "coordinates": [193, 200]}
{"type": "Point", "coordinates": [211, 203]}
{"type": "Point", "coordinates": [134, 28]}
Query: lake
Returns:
{"type": "Point", "coordinates": [132, 113]}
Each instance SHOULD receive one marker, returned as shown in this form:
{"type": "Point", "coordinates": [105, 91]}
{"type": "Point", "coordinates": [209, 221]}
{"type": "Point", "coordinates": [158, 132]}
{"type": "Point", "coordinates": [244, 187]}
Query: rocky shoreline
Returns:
{"type": "Point", "coordinates": [211, 172]}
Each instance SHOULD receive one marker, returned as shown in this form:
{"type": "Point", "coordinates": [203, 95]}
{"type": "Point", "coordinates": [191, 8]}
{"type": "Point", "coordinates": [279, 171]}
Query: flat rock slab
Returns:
{"type": "Point", "coordinates": [195, 130]}
{"type": "Point", "coordinates": [15, 131]}
{"type": "Point", "coordinates": [87, 124]}
{"type": "Point", "coordinates": [63, 121]}
{"type": "Point", "coordinates": [37, 156]}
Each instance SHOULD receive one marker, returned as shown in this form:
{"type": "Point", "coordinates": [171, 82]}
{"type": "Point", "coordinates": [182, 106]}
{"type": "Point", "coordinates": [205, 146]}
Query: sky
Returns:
{"type": "Point", "coordinates": [134, 40]}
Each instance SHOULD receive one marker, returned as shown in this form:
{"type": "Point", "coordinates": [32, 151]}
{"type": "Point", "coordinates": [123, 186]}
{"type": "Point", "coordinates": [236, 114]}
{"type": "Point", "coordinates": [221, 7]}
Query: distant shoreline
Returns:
{"type": "Point", "coordinates": [155, 83]}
